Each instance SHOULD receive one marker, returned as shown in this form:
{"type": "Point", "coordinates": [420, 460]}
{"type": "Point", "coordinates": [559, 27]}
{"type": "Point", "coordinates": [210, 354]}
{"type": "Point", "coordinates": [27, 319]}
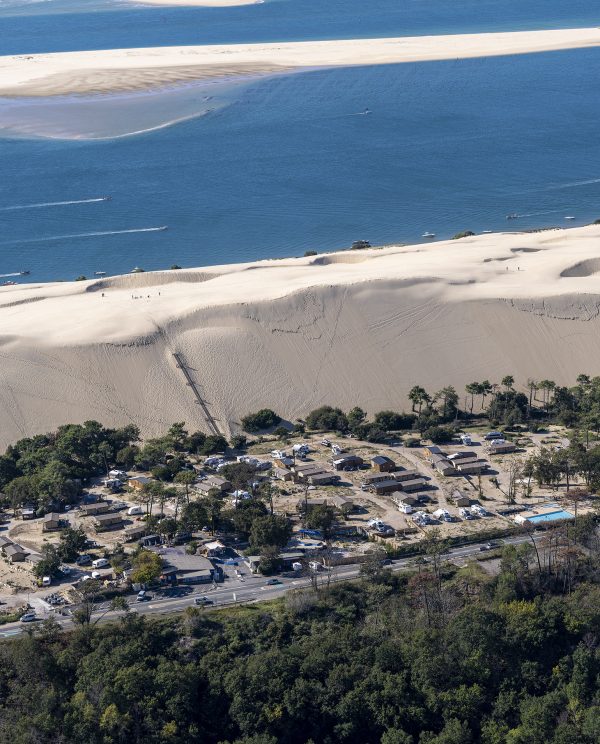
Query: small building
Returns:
{"type": "Point", "coordinates": [433, 451]}
{"type": "Point", "coordinates": [137, 482]}
{"type": "Point", "coordinates": [336, 501]}
{"type": "Point", "coordinates": [500, 447]}
{"type": "Point", "coordinates": [135, 532]}
{"type": "Point", "coordinates": [213, 482]}
{"type": "Point", "coordinates": [414, 484]}
{"type": "Point", "coordinates": [15, 553]}
{"type": "Point", "coordinates": [386, 486]}
{"type": "Point", "coordinates": [382, 464]}
{"type": "Point", "coordinates": [180, 567]}
{"type": "Point", "coordinates": [149, 540]}
{"type": "Point", "coordinates": [348, 462]}
{"type": "Point", "coordinates": [322, 479]}
{"type": "Point", "coordinates": [51, 522]}
{"type": "Point", "coordinates": [373, 478]}
{"type": "Point", "coordinates": [108, 522]}
{"type": "Point", "coordinates": [284, 462]}
{"type": "Point", "coordinates": [406, 475]}
{"type": "Point", "coordinates": [92, 510]}
{"type": "Point", "coordinates": [460, 499]}
{"type": "Point", "coordinates": [282, 474]}
{"type": "Point", "coordinates": [469, 466]}
{"type": "Point", "coordinates": [399, 497]}
{"type": "Point", "coordinates": [443, 465]}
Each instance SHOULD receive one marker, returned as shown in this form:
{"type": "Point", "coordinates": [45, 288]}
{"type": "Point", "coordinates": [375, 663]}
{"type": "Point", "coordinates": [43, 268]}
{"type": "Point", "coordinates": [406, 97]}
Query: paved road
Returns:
{"type": "Point", "coordinates": [240, 590]}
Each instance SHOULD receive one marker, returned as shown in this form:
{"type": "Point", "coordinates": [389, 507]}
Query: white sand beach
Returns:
{"type": "Point", "coordinates": [133, 69]}
{"type": "Point", "coordinates": [349, 328]}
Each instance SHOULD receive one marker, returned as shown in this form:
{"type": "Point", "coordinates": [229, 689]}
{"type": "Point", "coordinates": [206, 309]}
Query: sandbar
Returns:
{"type": "Point", "coordinates": [133, 69]}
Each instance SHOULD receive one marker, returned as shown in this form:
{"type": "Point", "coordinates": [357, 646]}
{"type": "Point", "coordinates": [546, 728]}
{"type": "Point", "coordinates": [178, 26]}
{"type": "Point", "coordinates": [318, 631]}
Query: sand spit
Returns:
{"type": "Point", "coordinates": [131, 69]}
{"type": "Point", "coordinates": [295, 333]}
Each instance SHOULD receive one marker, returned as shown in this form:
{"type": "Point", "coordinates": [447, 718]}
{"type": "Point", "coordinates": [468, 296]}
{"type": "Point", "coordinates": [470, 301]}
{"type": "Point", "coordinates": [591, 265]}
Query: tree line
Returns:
{"type": "Point", "coordinates": [438, 655]}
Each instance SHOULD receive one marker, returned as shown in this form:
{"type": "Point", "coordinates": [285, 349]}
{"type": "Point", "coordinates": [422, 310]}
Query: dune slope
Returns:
{"type": "Point", "coordinates": [347, 329]}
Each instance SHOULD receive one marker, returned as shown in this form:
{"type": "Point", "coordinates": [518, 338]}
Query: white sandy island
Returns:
{"type": "Point", "coordinates": [349, 328]}
{"type": "Point", "coordinates": [131, 69]}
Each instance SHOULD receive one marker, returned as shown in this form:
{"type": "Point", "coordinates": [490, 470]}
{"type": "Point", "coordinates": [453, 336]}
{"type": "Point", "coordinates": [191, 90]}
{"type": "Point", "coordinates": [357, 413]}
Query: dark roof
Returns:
{"type": "Point", "coordinates": [381, 460]}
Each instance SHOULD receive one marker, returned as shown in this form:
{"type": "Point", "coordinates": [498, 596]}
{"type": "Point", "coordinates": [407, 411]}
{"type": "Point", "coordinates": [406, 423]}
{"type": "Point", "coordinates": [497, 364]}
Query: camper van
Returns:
{"type": "Point", "coordinates": [133, 510]}
{"type": "Point", "coordinates": [100, 563]}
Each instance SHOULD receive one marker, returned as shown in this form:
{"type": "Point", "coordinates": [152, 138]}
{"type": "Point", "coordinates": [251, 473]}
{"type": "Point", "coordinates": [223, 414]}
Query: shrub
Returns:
{"type": "Point", "coordinates": [360, 245]}
{"type": "Point", "coordinates": [310, 253]}
{"type": "Point", "coordinates": [392, 421]}
{"type": "Point", "coordinates": [464, 234]}
{"type": "Point", "coordinates": [439, 434]}
{"type": "Point", "coordinates": [263, 419]}
{"type": "Point", "coordinates": [327, 418]}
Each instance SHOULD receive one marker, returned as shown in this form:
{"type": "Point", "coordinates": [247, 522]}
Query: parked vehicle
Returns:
{"type": "Point", "coordinates": [28, 617]}
{"type": "Point", "coordinates": [83, 560]}
{"type": "Point", "coordinates": [203, 601]}
{"type": "Point", "coordinates": [273, 582]}
{"type": "Point", "coordinates": [466, 440]}
{"type": "Point", "coordinates": [100, 563]}
{"type": "Point", "coordinates": [491, 435]}
{"type": "Point", "coordinates": [143, 596]}
{"type": "Point", "coordinates": [133, 510]}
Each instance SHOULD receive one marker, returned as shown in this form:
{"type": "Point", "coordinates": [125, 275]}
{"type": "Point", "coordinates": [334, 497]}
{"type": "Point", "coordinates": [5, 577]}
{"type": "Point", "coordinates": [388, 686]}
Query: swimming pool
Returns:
{"type": "Point", "coordinates": [551, 516]}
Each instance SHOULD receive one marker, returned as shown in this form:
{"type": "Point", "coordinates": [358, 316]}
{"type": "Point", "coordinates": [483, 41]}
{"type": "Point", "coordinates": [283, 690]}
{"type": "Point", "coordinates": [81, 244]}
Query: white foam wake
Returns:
{"type": "Point", "coordinates": [86, 235]}
{"type": "Point", "coordinates": [55, 204]}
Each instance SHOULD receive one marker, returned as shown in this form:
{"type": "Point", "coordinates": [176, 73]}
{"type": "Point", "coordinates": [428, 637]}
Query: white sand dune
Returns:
{"type": "Point", "coordinates": [131, 69]}
{"type": "Point", "coordinates": [348, 329]}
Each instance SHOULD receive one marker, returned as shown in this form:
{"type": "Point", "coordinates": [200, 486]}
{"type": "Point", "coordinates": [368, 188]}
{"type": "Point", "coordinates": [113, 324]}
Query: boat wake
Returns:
{"type": "Point", "coordinates": [99, 234]}
{"type": "Point", "coordinates": [41, 205]}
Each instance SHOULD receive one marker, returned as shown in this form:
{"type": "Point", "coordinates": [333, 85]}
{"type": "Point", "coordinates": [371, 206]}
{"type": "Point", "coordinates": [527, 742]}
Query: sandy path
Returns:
{"type": "Point", "coordinates": [130, 69]}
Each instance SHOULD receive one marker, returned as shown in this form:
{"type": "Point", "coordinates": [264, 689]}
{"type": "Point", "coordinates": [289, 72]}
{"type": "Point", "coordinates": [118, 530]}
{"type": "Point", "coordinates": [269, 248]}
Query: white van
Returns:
{"type": "Point", "coordinates": [133, 510]}
{"type": "Point", "coordinates": [100, 563]}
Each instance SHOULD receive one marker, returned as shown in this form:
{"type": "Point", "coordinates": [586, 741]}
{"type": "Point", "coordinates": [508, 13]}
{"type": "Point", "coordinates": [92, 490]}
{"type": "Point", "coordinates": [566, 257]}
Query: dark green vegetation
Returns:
{"type": "Point", "coordinates": [440, 656]}
{"type": "Point", "coordinates": [261, 420]}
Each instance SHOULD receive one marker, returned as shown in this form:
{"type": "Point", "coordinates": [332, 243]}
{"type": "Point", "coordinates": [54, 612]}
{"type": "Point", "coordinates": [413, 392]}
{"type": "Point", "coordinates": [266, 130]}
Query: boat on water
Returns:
{"type": "Point", "coordinates": [136, 270]}
{"type": "Point", "coordinates": [8, 284]}
{"type": "Point", "coordinates": [99, 273]}
{"type": "Point", "coordinates": [569, 217]}
{"type": "Point", "coordinates": [25, 272]}
{"type": "Point", "coordinates": [512, 216]}
{"type": "Point", "coordinates": [486, 232]}
{"type": "Point", "coordinates": [428, 235]}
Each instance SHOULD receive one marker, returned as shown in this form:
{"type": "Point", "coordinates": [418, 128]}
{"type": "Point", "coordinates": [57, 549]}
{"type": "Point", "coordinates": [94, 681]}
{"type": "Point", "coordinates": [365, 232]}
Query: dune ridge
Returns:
{"type": "Point", "coordinates": [131, 69]}
{"type": "Point", "coordinates": [347, 328]}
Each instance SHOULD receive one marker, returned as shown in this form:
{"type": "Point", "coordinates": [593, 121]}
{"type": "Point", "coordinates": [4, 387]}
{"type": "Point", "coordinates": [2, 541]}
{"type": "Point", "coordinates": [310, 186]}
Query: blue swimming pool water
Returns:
{"type": "Point", "coordinates": [551, 517]}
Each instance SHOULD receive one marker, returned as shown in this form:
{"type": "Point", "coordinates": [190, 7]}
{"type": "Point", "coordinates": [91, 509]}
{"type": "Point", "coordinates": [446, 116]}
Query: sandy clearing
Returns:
{"type": "Point", "coordinates": [130, 69]}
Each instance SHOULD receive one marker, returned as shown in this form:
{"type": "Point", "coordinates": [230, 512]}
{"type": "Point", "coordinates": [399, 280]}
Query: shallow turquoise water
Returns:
{"type": "Point", "coordinates": [288, 164]}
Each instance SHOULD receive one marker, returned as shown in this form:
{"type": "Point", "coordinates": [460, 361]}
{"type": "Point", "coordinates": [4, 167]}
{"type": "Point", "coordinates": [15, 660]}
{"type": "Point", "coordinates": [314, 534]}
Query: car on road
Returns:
{"type": "Point", "coordinates": [488, 546]}
{"type": "Point", "coordinates": [143, 596]}
{"type": "Point", "coordinates": [202, 601]}
{"type": "Point", "coordinates": [273, 582]}
{"type": "Point", "coordinates": [28, 617]}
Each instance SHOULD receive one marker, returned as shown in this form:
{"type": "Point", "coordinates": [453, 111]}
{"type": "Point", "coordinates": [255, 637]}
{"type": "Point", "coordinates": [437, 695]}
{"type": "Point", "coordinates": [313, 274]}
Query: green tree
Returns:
{"type": "Point", "coordinates": [260, 421]}
{"type": "Point", "coordinates": [147, 566]}
{"type": "Point", "coordinates": [272, 529]}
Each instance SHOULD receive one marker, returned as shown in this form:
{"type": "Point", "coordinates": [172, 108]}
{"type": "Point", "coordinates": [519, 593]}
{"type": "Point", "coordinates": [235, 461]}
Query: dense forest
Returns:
{"type": "Point", "coordinates": [436, 656]}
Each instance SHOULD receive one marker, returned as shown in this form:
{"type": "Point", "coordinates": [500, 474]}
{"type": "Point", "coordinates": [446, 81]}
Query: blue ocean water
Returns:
{"type": "Point", "coordinates": [290, 164]}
